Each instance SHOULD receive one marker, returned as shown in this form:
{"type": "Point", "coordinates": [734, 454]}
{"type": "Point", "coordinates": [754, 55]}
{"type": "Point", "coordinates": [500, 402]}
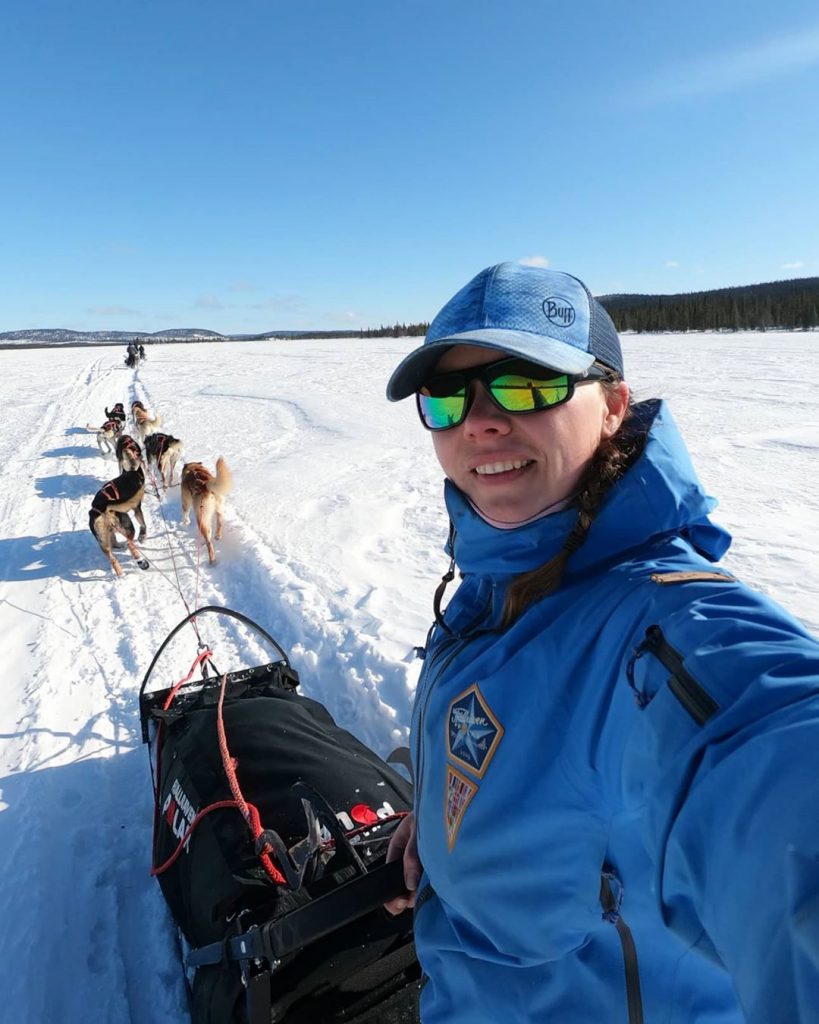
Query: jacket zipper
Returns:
{"type": "Point", "coordinates": [611, 912]}
{"type": "Point", "coordinates": [693, 697]}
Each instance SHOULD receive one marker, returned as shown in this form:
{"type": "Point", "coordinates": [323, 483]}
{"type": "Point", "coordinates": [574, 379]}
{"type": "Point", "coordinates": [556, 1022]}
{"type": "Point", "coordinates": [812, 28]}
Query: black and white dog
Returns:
{"type": "Point", "coordinates": [117, 413]}
{"type": "Point", "coordinates": [107, 435]}
{"type": "Point", "coordinates": [144, 425]}
{"type": "Point", "coordinates": [164, 450]}
{"type": "Point", "coordinates": [108, 515]}
{"type": "Point", "coordinates": [129, 454]}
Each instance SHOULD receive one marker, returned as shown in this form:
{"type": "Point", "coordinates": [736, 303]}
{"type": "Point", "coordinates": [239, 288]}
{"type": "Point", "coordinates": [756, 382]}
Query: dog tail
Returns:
{"type": "Point", "coordinates": [223, 483]}
{"type": "Point", "coordinates": [156, 421]}
{"type": "Point", "coordinates": [92, 430]}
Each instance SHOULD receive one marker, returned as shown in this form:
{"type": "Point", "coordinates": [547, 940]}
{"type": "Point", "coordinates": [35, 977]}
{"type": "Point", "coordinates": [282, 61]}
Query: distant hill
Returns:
{"type": "Point", "coordinates": [60, 336]}
{"type": "Point", "coordinates": [45, 337]}
{"type": "Point", "coordinates": [786, 305]}
{"type": "Point", "coordinates": [791, 305]}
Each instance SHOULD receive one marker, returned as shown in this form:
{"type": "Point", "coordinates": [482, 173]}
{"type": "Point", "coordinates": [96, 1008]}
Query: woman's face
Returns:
{"type": "Point", "coordinates": [513, 467]}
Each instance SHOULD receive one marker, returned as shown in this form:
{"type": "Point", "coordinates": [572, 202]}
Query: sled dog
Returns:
{"type": "Point", "coordinates": [108, 515]}
{"type": "Point", "coordinates": [107, 435]}
{"type": "Point", "coordinates": [129, 454]}
{"type": "Point", "coordinates": [163, 450]}
{"type": "Point", "coordinates": [205, 493]}
{"type": "Point", "coordinates": [144, 426]}
{"type": "Point", "coordinates": [117, 413]}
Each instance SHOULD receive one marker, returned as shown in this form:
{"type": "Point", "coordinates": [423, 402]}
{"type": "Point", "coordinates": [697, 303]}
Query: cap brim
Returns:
{"type": "Point", "coordinates": [414, 369]}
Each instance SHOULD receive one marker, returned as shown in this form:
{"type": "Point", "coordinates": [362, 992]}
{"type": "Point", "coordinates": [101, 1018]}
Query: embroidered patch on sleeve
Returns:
{"type": "Point", "coordinates": [459, 791]}
{"type": "Point", "coordinates": [472, 731]}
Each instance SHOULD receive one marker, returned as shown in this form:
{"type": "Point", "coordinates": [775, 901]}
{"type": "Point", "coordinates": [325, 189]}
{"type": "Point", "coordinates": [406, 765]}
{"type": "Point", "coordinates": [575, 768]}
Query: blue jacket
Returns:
{"type": "Point", "coordinates": [617, 796]}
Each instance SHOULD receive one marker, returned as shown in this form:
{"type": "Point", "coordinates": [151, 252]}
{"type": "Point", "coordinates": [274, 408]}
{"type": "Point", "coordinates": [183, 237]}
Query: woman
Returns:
{"type": "Point", "coordinates": [615, 745]}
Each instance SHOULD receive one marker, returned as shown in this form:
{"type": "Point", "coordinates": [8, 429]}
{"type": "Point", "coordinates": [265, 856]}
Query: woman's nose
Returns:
{"type": "Point", "coordinates": [484, 416]}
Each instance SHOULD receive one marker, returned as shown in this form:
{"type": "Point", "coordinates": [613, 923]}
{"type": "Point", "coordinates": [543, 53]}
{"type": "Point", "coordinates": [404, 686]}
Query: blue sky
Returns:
{"type": "Point", "coordinates": [252, 165]}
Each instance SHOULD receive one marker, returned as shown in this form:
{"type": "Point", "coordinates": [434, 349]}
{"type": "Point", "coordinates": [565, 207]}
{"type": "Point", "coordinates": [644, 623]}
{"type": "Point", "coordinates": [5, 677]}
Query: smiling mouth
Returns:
{"type": "Point", "coordinates": [491, 468]}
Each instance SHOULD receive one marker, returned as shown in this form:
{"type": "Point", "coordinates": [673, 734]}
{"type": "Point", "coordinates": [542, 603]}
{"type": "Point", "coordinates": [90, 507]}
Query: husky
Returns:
{"type": "Point", "coordinates": [107, 435]}
{"type": "Point", "coordinates": [165, 451]}
{"type": "Point", "coordinates": [108, 515]}
{"type": "Point", "coordinates": [144, 426]}
{"type": "Point", "coordinates": [205, 493]}
{"type": "Point", "coordinates": [129, 454]}
{"type": "Point", "coordinates": [117, 413]}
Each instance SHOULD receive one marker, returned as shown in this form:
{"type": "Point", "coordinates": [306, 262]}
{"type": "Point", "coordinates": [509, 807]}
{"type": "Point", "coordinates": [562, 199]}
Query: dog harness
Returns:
{"type": "Point", "coordinates": [197, 478]}
{"type": "Point", "coordinates": [105, 496]}
{"type": "Point", "coordinates": [161, 443]}
{"type": "Point", "coordinates": [130, 445]}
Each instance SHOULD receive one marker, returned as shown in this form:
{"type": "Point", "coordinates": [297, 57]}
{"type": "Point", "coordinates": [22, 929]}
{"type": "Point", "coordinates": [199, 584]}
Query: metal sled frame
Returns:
{"type": "Point", "coordinates": [278, 672]}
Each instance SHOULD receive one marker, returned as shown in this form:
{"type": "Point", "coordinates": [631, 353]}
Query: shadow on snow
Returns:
{"type": "Point", "coordinates": [78, 899]}
{"type": "Point", "coordinates": [65, 485]}
{"type": "Point", "coordinates": [73, 556]}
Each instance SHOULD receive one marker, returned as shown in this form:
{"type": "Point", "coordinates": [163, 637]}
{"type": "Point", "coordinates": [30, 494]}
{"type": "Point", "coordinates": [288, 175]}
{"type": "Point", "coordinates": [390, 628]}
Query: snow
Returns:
{"type": "Point", "coordinates": [332, 543]}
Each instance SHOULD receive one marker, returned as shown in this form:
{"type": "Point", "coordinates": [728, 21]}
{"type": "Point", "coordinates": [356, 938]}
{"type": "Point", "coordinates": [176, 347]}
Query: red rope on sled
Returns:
{"type": "Point", "coordinates": [197, 818]}
{"type": "Point", "coordinates": [204, 656]}
{"type": "Point", "coordinates": [248, 811]}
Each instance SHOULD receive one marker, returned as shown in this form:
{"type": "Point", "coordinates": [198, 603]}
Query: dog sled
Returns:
{"type": "Point", "coordinates": [271, 827]}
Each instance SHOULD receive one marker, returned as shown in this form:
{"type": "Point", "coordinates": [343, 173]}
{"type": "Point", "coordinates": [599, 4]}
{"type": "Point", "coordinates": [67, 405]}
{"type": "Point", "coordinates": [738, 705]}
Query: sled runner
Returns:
{"type": "Point", "coordinates": [271, 826]}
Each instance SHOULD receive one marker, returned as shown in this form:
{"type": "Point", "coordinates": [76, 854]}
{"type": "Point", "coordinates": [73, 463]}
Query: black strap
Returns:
{"type": "Point", "coordinates": [257, 1000]}
{"type": "Point", "coordinates": [611, 912]}
{"type": "Point", "coordinates": [447, 578]}
{"type": "Point", "coordinates": [304, 925]}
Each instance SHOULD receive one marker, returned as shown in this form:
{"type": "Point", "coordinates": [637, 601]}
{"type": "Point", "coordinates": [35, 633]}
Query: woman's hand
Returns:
{"type": "Point", "coordinates": [403, 844]}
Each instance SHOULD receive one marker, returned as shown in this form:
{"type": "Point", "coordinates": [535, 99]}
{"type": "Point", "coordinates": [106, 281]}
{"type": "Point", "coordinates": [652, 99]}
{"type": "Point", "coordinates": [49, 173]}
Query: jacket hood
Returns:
{"type": "Point", "coordinates": [659, 495]}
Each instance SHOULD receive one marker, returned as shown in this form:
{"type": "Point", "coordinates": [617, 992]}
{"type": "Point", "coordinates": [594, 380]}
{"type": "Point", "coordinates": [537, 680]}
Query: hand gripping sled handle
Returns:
{"type": "Point", "coordinates": [307, 924]}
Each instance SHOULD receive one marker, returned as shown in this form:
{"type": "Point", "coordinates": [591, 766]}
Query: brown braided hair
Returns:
{"type": "Point", "coordinates": [613, 457]}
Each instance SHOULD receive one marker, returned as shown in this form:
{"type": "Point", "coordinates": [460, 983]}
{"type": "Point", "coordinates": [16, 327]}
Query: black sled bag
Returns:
{"type": "Point", "coordinates": [322, 795]}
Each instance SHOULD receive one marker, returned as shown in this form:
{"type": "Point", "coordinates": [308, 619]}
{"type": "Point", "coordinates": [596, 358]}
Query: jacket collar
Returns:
{"type": "Point", "coordinates": [659, 495]}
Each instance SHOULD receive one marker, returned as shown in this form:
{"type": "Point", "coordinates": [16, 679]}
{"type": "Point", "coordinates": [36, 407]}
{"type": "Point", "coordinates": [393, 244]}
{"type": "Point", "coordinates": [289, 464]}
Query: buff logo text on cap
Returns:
{"type": "Point", "coordinates": [559, 311]}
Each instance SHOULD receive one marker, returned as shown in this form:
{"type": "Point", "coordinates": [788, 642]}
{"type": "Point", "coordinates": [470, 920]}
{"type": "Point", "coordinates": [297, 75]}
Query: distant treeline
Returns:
{"type": "Point", "coordinates": [396, 331]}
{"type": "Point", "coordinates": [791, 305]}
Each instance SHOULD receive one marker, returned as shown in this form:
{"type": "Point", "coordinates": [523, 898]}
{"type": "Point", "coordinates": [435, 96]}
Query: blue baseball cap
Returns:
{"type": "Point", "coordinates": [546, 316]}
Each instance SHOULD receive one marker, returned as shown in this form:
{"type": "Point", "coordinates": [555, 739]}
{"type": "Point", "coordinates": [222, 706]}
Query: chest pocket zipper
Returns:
{"type": "Point", "coordinates": [611, 897]}
{"type": "Point", "coordinates": [693, 697]}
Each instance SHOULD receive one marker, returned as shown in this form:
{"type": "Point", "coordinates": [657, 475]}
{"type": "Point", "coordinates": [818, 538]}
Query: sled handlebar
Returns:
{"type": "Point", "coordinates": [304, 925]}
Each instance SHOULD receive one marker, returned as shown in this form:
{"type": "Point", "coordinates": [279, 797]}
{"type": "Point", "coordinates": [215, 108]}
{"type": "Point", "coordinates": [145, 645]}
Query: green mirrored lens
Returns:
{"type": "Point", "coordinates": [524, 394]}
{"type": "Point", "coordinates": [441, 411]}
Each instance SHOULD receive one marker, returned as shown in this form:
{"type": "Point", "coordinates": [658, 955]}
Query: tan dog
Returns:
{"type": "Point", "coordinates": [205, 492]}
{"type": "Point", "coordinates": [144, 426]}
{"type": "Point", "coordinates": [108, 515]}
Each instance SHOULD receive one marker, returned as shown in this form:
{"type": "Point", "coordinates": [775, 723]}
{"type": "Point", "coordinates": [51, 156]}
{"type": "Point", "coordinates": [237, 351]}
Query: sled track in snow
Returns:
{"type": "Point", "coordinates": [87, 904]}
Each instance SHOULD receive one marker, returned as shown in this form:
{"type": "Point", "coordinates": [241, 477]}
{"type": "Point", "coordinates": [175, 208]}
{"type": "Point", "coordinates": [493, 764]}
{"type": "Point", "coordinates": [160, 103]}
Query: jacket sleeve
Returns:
{"type": "Point", "coordinates": [726, 759]}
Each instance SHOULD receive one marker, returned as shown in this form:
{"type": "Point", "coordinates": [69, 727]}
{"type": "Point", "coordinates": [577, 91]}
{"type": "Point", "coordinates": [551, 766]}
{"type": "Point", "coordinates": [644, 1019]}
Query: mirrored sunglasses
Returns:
{"type": "Point", "coordinates": [515, 385]}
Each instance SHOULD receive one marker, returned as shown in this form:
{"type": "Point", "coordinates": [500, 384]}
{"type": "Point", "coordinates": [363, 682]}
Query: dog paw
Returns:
{"type": "Point", "coordinates": [142, 563]}
{"type": "Point", "coordinates": [142, 534]}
